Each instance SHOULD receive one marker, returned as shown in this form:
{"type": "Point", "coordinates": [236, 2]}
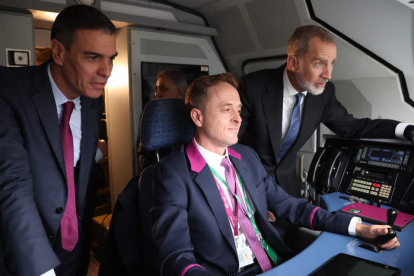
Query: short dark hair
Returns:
{"type": "Point", "coordinates": [197, 93]}
{"type": "Point", "coordinates": [176, 76]}
{"type": "Point", "coordinates": [299, 41]}
{"type": "Point", "coordinates": [79, 17]}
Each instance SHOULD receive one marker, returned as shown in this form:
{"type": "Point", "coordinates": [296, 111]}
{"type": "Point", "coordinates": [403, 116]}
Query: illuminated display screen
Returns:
{"type": "Point", "coordinates": [386, 155]}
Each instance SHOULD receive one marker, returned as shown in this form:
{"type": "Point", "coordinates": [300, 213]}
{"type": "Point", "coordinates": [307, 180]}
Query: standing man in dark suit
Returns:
{"type": "Point", "coordinates": [269, 99]}
{"type": "Point", "coordinates": [49, 118]}
{"type": "Point", "coordinates": [211, 198]}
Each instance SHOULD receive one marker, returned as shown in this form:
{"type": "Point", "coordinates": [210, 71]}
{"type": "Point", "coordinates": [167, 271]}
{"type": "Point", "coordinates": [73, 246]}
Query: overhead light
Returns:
{"type": "Point", "coordinates": [137, 11]}
{"type": "Point", "coordinates": [44, 16]}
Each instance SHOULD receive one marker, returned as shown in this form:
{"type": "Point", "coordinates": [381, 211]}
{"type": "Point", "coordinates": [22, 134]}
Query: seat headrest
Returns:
{"type": "Point", "coordinates": [165, 122]}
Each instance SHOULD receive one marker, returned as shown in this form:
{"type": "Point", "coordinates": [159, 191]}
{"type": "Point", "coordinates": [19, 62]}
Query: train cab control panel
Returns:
{"type": "Point", "coordinates": [380, 171]}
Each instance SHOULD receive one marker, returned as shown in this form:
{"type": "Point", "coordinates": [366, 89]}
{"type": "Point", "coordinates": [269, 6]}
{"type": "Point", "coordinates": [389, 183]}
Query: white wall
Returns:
{"type": "Point", "coordinates": [386, 28]}
{"type": "Point", "coordinates": [124, 97]}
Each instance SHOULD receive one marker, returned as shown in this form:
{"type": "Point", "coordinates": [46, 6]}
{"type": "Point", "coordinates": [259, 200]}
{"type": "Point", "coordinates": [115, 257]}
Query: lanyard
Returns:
{"type": "Point", "coordinates": [232, 218]}
{"type": "Point", "coordinates": [249, 213]}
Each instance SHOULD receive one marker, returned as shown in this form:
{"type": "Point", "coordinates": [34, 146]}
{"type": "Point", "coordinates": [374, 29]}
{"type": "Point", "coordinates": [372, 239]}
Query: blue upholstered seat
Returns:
{"type": "Point", "coordinates": [164, 123]}
{"type": "Point", "coordinates": [129, 249]}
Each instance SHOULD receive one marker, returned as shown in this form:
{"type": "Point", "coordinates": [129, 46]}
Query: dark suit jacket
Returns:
{"type": "Point", "coordinates": [262, 96]}
{"type": "Point", "coordinates": [129, 250]}
{"type": "Point", "coordinates": [33, 188]}
{"type": "Point", "coordinates": [190, 224]}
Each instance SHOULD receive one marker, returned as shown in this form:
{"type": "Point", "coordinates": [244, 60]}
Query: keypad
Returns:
{"type": "Point", "coordinates": [368, 187]}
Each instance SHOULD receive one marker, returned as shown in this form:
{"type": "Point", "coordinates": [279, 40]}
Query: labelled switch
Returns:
{"type": "Point", "coordinates": [17, 57]}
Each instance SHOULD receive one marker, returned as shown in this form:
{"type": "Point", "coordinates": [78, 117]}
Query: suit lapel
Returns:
{"type": "Point", "coordinates": [45, 105]}
{"type": "Point", "coordinates": [207, 184]}
{"type": "Point", "coordinates": [272, 102]}
{"type": "Point", "coordinates": [202, 176]}
{"type": "Point", "coordinates": [248, 183]}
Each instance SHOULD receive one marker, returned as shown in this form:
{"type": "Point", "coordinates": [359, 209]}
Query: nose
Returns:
{"type": "Point", "coordinates": [157, 93]}
{"type": "Point", "coordinates": [236, 117]}
{"type": "Point", "coordinates": [105, 68]}
{"type": "Point", "coordinates": [327, 72]}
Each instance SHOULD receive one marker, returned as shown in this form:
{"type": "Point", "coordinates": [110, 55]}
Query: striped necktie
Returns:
{"type": "Point", "coordinates": [244, 221]}
{"type": "Point", "coordinates": [293, 128]}
{"type": "Point", "coordinates": [69, 222]}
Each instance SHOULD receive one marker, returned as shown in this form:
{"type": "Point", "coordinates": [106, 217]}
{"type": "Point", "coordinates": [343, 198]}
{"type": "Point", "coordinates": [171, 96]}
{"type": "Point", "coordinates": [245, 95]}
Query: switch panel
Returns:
{"type": "Point", "coordinates": [17, 57]}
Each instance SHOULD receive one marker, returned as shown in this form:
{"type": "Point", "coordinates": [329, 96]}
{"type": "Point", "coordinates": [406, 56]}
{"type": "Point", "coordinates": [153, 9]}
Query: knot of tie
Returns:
{"type": "Point", "coordinates": [225, 163]}
{"type": "Point", "coordinates": [68, 108]}
{"type": "Point", "coordinates": [228, 171]}
{"type": "Point", "coordinates": [298, 98]}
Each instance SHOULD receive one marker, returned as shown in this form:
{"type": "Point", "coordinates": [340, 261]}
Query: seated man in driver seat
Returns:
{"type": "Point", "coordinates": [211, 197]}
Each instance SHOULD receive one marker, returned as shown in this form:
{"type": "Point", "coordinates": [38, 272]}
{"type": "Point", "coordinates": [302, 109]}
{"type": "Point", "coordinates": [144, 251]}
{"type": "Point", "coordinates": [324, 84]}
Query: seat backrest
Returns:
{"type": "Point", "coordinates": [164, 123]}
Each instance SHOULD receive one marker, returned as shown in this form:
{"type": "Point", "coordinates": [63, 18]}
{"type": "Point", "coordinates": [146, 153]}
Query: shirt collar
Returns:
{"type": "Point", "coordinates": [209, 156]}
{"type": "Point", "coordinates": [288, 87]}
{"type": "Point", "coordinates": [60, 98]}
{"type": "Point", "coordinates": [197, 160]}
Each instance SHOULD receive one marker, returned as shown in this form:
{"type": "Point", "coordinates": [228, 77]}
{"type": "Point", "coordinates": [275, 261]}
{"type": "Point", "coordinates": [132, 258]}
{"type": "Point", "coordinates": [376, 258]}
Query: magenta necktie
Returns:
{"type": "Point", "coordinates": [244, 221]}
{"type": "Point", "coordinates": [69, 222]}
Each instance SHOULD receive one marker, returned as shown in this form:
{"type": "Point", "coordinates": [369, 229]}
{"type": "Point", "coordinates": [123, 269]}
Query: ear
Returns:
{"type": "Point", "coordinates": [292, 63]}
{"type": "Point", "coordinates": [197, 117]}
{"type": "Point", "coordinates": [58, 51]}
{"type": "Point", "coordinates": [180, 93]}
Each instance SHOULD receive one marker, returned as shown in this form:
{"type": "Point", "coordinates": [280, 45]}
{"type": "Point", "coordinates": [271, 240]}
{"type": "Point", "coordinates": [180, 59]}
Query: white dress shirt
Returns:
{"type": "Point", "coordinates": [214, 161]}
{"type": "Point", "coordinates": [75, 122]}
{"type": "Point", "coordinates": [289, 100]}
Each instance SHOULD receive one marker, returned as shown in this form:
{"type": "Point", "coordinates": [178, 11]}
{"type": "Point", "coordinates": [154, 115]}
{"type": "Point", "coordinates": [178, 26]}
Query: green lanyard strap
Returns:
{"type": "Point", "coordinates": [272, 254]}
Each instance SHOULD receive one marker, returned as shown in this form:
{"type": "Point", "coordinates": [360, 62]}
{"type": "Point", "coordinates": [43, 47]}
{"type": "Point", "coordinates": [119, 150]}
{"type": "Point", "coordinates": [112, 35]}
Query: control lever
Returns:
{"type": "Point", "coordinates": [376, 245]}
{"type": "Point", "coordinates": [391, 216]}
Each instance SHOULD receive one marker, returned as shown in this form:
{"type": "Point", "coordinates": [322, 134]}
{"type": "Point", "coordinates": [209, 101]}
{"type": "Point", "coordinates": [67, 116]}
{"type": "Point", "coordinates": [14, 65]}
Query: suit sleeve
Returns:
{"type": "Point", "coordinates": [298, 211]}
{"type": "Point", "coordinates": [337, 119]}
{"type": "Point", "coordinates": [246, 109]}
{"type": "Point", "coordinates": [22, 233]}
{"type": "Point", "coordinates": [169, 224]}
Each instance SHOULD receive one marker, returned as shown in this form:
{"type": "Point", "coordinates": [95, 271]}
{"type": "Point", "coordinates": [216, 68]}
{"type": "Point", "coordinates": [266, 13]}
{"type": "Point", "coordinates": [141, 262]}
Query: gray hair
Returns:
{"type": "Point", "coordinates": [176, 76]}
{"type": "Point", "coordinates": [299, 41]}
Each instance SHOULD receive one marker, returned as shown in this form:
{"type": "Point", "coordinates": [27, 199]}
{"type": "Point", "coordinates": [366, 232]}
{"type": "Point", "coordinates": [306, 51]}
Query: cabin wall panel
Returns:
{"type": "Point", "coordinates": [274, 21]}
{"type": "Point", "coordinates": [16, 31]}
{"type": "Point", "coordinates": [233, 36]}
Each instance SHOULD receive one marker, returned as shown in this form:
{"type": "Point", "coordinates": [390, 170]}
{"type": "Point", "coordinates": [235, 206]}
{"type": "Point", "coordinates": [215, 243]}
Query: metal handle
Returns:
{"type": "Point", "coordinates": [301, 170]}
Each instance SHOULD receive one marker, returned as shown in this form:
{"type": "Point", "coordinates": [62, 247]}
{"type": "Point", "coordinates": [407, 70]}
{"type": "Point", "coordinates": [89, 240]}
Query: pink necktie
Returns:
{"type": "Point", "coordinates": [244, 221]}
{"type": "Point", "coordinates": [69, 222]}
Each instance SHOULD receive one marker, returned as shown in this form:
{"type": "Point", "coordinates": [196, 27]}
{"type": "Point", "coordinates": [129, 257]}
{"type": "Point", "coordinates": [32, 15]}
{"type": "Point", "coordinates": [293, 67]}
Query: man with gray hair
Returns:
{"type": "Point", "coordinates": [283, 107]}
{"type": "Point", "coordinates": [171, 83]}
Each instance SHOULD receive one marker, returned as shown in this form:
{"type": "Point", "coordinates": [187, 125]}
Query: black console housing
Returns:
{"type": "Point", "coordinates": [380, 170]}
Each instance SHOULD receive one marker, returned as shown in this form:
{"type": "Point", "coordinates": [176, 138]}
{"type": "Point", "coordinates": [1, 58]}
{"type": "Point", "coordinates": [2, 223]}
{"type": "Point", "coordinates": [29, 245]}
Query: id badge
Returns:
{"type": "Point", "coordinates": [245, 255]}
